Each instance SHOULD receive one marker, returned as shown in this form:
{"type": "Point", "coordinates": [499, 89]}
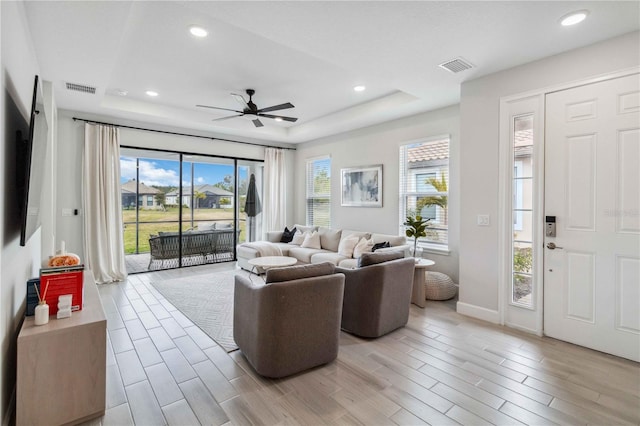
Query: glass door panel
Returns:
{"type": "Point", "coordinates": [250, 221]}
{"type": "Point", "coordinates": [150, 221]}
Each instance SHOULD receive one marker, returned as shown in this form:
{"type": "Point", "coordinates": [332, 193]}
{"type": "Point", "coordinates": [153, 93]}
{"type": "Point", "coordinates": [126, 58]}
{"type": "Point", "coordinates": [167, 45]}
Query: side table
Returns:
{"type": "Point", "coordinates": [418, 296]}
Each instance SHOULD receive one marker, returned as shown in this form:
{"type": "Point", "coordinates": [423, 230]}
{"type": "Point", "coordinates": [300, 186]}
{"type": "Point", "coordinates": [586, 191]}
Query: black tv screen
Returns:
{"type": "Point", "coordinates": [33, 165]}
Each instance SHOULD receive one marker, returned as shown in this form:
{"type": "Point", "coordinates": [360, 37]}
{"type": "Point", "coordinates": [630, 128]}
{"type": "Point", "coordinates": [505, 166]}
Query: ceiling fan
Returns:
{"type": "Point", "coordinates": [249, 108]}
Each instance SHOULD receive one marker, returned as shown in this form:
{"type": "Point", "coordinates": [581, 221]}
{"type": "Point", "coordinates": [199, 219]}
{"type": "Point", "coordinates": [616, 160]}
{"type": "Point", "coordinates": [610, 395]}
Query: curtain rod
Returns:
{"type": "Point", "coordinates": [180, 134]}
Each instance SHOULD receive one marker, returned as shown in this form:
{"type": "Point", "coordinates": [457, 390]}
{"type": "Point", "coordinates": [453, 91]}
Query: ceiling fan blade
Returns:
{"type": "Point", "coordinates": [224, 109]}
{"type": "Point", "coordinates": [277, 107]}
{"type": "Point", "coordinates": [257, 123]}
{"type": "Point", "coordinates": [226, 118]}
{"type": "Point", "coordinates": [240, 99]}
{"type": "Point", "coordinates": [291, 119]}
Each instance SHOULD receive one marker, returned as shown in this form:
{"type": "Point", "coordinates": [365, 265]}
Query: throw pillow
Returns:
{"type": "Point", "coordinates": [373, 258]}
{"type": "Point", "coordinates": [347, 244]}
{"type": "Point", "coordinates": [298, 238]}
{"type": "Point", "coordinates": [311, 241]}
{"type": "Point", "coordinates": [329, 238]}
{"type": "Point", "coordinates": [364, 246]}
{"type": "Point", "coordinates": [380, 245]}
{"type": "Point", "coordinates": [287, 236]}
{"type": "Point", "coordinates": [303, 228]}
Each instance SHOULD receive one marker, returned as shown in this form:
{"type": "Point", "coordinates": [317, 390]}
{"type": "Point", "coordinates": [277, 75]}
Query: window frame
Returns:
{"type": "Point", "coordinates": [311, 196]}
{"type": "Point", "coordinates": [408, 179]}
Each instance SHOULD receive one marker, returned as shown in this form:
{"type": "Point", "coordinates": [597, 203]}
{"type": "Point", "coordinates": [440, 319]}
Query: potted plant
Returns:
{"type": "Point", "coordinates": [416, 228]}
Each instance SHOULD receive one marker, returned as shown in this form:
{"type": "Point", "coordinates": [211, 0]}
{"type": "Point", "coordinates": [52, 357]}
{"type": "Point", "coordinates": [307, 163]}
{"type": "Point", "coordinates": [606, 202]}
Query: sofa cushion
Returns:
{"type": "Point", "coordinates": [329, 238]}
{"type": "Point", "coordinates": [394, 240]}
{"type": "Point", "coordinates": [275, 275]}
{"type": "Point", "coordinates": [206, 226]}
{"type": "Point", "coordinates": [348, 263]}
{"type": "Point", "coordinates": [304, 254]}
{"type": "Point", "coordinates": [334, 258]}
{"type": "Point", "coordinates": [287, 235]}
{"type": "Point", "coordinates": [311, 240]}
{"type": "Point", "coordinates": [373, 258]}
{"type": "Point", "coordinates": [359, 234]}
{"type": "Point", "coordinates": [347, 244]}
{"type": "Point", "coordinates": [223, 225]}
{"type": "Point", "coordinates": [363, 246]}
{"type": "Point", "coordinates": [303, 228]}
{"type": "Point", "coordinates": [298, 238]}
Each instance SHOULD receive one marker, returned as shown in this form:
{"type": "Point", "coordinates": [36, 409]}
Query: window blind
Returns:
{"type": "Point", "coordinates": [319, 191]}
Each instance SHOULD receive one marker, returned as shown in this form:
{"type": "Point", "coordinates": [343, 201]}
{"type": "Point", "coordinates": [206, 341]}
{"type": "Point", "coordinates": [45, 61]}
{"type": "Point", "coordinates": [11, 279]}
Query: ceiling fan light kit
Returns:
{"type": "Point", "coordinates": [249, 108]}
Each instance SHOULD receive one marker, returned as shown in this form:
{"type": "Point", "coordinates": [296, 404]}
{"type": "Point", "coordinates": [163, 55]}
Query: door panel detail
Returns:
{"type": "Point", "coordinates": [628, 103]}
{"type": "Point", "coordinates": [580, 169]}
{"type": "Point", "coordinates": [585, 110]}
{"type": "Point", "coordinates": [580, 286]}
{"type": "Point", "coordinates": [628, 286]}
{"type": "Point", "coordinates": [627, 212]}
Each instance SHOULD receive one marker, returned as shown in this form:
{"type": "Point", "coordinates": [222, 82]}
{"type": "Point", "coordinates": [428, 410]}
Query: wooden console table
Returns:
{"type": "Point", "coordinates": [61, 377]}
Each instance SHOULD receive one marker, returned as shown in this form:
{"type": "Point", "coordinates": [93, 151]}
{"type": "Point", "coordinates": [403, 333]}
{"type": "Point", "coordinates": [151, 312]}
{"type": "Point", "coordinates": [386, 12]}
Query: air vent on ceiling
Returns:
{"type": "Point", "coordinates": [81, 88]}
{"type": "Point", "coordinates": [456, 65]}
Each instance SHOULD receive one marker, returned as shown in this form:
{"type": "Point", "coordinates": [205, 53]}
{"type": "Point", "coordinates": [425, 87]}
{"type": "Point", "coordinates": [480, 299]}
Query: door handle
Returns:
{"type": "Point", "coordinates": [553, 246]}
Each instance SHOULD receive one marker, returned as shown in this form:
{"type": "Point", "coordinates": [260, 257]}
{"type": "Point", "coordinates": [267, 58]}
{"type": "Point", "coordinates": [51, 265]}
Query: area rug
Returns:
{"type": "Point", "coordinates": [207, 300]}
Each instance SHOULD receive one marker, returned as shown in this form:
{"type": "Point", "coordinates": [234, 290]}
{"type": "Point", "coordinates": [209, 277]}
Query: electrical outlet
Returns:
{"type": "Point", "coordinates": [483, 220]}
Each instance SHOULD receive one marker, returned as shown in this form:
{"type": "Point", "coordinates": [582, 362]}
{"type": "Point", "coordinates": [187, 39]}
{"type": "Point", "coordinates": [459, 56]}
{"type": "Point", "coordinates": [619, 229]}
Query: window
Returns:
{"type": "Point", "coordinates": [149, 200]}
{"type": "Point", "coordinates": [424, 187]}
{"type": "Point", "coordinates": [522, 210]}
{"type": "Point", "coordinates": [319, 191]}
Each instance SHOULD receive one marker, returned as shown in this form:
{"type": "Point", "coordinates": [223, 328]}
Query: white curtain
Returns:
{"type": "Point", "coordinates": [275, 190]}
{"type": "Point", "coordinates": [103, 228]}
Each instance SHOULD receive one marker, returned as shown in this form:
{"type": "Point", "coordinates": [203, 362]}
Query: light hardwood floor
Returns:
{"type": "Point", "coordinates": [441, 369]}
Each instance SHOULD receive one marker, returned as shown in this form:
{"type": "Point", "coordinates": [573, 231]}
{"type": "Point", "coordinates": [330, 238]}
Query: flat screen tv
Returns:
{"type": "Point", "coordinates": [32, 164]}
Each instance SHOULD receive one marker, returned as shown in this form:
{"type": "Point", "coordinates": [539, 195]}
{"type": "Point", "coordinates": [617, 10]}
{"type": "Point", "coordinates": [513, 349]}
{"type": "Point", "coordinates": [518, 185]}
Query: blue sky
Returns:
{"type": "Point", "coordinates": [166, 172]}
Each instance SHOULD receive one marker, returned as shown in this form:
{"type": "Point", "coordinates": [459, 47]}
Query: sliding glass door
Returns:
{"type": "Point", "coordinates": [181, 209]}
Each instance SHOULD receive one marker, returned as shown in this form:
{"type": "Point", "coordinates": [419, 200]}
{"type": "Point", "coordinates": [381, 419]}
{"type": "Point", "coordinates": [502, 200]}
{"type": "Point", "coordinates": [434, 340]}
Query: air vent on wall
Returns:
{"type": "Point", "coordinates": [81, 88]}
{"type": "Point", "coordinates": [456, 65]}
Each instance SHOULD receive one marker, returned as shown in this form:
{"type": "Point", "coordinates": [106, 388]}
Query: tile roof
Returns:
{"type": "Point", "coordinates": [205, 189]}
{"type": "Point", "coordinates": [429, 151]}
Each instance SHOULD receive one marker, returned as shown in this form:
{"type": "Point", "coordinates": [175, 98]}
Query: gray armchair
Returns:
{"type": "Point", "coordinates": [292, 322]}
{"type": "Point", "coordinates": [377, 294]}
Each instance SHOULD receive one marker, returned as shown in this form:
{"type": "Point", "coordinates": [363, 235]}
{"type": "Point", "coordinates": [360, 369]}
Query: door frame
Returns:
{"type": "Point", "coordinates": [527, 319]}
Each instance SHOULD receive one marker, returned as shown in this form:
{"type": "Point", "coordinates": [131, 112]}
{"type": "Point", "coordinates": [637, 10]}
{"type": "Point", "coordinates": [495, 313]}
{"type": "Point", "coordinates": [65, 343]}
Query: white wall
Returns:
{"type": "Point", "coordinates": [479, 117]}
{"type": "Point", "coordinates": [17, 264]}
{"type": "Point", "coordinates": [70, 154]}
{"type": "Point", "coordinates": [380, 145]}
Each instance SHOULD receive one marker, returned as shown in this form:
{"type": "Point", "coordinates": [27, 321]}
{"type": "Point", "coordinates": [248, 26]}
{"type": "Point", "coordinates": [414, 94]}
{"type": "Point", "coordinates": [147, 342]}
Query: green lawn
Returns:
{"type": "Point", "coordinates": [170, 216]}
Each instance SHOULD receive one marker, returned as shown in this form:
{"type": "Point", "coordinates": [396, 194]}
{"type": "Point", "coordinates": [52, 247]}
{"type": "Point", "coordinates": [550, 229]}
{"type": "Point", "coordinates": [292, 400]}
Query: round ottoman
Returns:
{"type": "Point", "coordinates": [439, 286]}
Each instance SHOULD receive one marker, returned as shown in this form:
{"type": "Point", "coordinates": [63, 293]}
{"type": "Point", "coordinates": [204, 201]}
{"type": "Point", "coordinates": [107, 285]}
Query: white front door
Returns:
{"type": "Point", "coordinates": [592, 187]}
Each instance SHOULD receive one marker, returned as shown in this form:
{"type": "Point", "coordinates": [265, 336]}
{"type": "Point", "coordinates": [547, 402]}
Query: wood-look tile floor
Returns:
{"type": "Point", "coordinates": [442, 368]}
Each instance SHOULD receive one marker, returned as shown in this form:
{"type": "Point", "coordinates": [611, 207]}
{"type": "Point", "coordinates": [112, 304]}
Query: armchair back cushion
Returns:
{"type": "Point", "coordinates": [275, 275]}
{"type": "Point", "coordinates": [374, 258]}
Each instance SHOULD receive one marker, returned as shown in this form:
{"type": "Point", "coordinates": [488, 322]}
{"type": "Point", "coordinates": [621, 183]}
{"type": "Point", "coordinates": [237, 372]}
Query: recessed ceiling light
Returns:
{"type": "Point", "coordinates": [151, 93]}
{"type": "Point", "coordinates": [359, 88]}
{"type": "Point", "coordinates": [574, 17]}
{"type": "Point", "coordinates": [198, 31]}
{"type": "Point", "coordinates": [121, 92]}
{"type": "Point", "coordinates": [278, 119]}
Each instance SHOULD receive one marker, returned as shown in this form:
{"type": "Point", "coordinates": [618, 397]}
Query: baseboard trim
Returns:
{"type": "Point", "coordinates": [525, 329]}
{"type": "Point", "coordinates": [478, 312]}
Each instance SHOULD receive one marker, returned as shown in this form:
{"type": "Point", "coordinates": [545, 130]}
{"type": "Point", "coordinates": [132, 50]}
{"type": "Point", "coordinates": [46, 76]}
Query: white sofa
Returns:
{"type": "Point", "coordinates": [329, 242]}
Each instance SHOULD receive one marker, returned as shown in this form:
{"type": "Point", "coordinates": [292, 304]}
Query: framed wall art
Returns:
{"type": "Point", "coordinates": [362, 186]}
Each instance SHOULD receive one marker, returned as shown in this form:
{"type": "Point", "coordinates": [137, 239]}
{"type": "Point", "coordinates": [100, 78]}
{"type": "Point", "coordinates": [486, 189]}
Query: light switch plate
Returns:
{"type": "Point", "coordinates": [67, 212]}
{"type": "Point", "coordinates": [483, 220]}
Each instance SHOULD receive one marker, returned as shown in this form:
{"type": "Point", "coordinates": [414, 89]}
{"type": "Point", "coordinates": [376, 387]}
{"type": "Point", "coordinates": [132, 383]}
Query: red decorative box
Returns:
{"type": "Point", "coordinates": [55, 283]}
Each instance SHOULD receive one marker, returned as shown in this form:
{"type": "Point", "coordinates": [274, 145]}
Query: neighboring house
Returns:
{"type": "Point", "coordinates": [212, 197]}
{"type": "Point", "coordinates": [146, 195]}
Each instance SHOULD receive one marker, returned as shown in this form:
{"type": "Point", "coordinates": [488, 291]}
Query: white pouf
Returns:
{"type": "Point", "coordinates": [439, 286]}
